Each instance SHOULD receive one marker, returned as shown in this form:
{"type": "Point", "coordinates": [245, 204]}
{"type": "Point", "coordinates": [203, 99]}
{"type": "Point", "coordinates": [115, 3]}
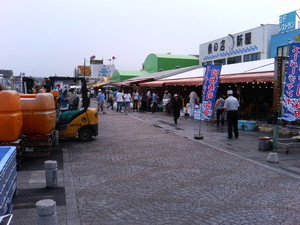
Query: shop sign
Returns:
{"type": "Point", "coordinates": [291, 90]}
{"type": "Point", "coordinates": [231, 45]}
{"type": "Point", "coordinates": [84, 70]}
{"type": "Point", "coordinates": [287, 22]}
{"type": "Point", "coordinates": [210, 88]}
{"type": "Point", "coordinates": [102, 72]}
{"type": "Point", "coordinates": [230, 42]}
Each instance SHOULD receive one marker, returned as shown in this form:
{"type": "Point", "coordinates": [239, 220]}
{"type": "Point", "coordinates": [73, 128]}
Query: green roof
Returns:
{"type": "Point", "coordinates": [169, 56]}
{"type": "Point", "coordinates": [161, 62]}
{"type": "Point", "coordinates": [121, 75]}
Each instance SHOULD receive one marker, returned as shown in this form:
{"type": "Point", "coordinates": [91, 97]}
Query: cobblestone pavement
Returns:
{"type": "Point", "coordinates": [137, 173]}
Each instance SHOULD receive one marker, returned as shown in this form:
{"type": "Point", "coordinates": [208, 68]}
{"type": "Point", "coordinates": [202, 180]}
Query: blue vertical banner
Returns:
{"type": "Point", "coordinates": [291, 90]}
{"type": "Point", "coordinates": [210, 87]}
{"type": "Point", "coordinates": [287, 22]}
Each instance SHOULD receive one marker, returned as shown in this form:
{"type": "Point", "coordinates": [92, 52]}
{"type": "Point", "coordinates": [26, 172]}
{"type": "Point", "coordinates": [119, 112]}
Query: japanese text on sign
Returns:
{"type": "Point", "coordinates": [291, 91]}
{"type": "Point", "coordinates": [210, 88]}
{"type": "Point", "coordinates": [240, 40]}
{"type": "Point", "coordinates": [287, 22]}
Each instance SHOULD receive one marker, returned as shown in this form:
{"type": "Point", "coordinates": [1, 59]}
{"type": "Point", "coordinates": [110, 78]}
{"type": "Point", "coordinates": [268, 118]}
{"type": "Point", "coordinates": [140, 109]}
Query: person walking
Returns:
{"type": "Point", "coordinates": [110, 100]}
{"type": "Point", "coordinates": [154, 102]}
{"type": "Point", "coordinates": [144, 100]}
{"type": "Point", "coordinates": [231, 106]}
{"type": "Point", "coordinates": [219, 108]}
{"type": "Point", "coordinates": [127, 99]}
{"type": "Point", "coordinates": [136, 98]}
{"type": "Point", "coordinates": [193, 101]}
{"type": "Point", "coordinates": [101, 101]}
{"type": "Point", "coordinates": [177, 106]}
{"type": "Point", "coordinates": [120, 100]}
{"type": "Point", "coordinates": [167, 102]}
{"type": "Point", "coordinates": [149, 101]}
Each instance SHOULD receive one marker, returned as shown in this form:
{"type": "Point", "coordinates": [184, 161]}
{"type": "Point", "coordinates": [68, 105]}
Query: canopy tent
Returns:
{"type": "Point", "coordinates": [255, 71]}
{"type": "Point", "coordinates": [122, 75]}
{"type": "Point", "coordinates": [155, 76]}
{"type": "Point", "coordinates": [233, 78]}
{"type": "Point", "coordinates": [98, 84]}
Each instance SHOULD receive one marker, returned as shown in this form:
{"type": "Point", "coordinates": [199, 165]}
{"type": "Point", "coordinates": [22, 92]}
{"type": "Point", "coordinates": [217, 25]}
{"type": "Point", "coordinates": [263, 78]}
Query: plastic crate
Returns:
{"type": "Point", "coordinates": [8, 177]}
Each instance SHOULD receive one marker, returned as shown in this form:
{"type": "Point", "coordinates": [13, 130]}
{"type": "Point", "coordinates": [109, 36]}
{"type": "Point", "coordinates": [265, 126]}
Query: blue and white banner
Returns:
{"type": "Point", "coordinates": [291, 90]}
{"type": "Point", "coordinates": [210, 87]}
{"type": "Point", "coordinates": [287, 22]}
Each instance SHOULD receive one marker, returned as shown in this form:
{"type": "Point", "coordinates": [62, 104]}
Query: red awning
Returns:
{"type": "Point", "coordinates": [248, 77]}
{"type": "Point", "coordinates": [232, 78]}
{"type": "Point", "coordinates": [140, 81]}
{"type": "Point", "coordinates": [157, 83]}
{"type": "Point", "coordinates": [187, 81]}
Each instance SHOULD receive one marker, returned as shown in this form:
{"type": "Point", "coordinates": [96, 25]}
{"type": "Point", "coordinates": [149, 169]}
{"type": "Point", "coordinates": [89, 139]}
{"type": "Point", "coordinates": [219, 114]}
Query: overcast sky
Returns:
{"type": "Point", "coordinates": [48, 37]}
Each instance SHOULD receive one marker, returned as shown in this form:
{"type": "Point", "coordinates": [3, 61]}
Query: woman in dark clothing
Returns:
{"type": "Point", "coordinates": [177, 105]}
{"type": "Point", "coordinates": [144, 100]}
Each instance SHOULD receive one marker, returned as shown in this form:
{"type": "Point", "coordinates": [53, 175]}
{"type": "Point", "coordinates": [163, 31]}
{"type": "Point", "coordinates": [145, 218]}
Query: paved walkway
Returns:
{"type": "Point", "coordinates": [143, 169]}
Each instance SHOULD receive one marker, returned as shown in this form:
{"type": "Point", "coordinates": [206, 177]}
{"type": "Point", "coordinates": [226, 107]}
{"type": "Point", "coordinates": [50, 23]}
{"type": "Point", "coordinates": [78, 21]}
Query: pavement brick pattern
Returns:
{"type": "Point", "coordinates": [136, 173]}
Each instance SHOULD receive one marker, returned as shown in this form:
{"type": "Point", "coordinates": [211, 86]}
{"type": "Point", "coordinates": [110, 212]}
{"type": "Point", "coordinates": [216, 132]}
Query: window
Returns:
{"type": "Point", "coordinates": [283, 51]}
{"type": "Point", "coordinates": [252, 57]}
{"type": "Point", "coordinates": [233, 60]}
{"type": "Point", "coordinates": [220, 61]}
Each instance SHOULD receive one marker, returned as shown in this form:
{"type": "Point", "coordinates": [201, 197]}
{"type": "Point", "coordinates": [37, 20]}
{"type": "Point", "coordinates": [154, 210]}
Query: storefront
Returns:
{"type": "Point", "coordinates": [252, 83]}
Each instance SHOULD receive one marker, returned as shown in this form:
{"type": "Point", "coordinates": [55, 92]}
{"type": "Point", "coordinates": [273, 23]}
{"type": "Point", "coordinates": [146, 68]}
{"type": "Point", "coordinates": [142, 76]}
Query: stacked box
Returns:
{"type": "Point", "coordinates": [8, 178]}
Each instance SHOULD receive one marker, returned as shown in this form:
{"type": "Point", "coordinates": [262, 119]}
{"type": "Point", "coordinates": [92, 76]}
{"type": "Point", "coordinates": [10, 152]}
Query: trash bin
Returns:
{"type": "Point", "coordinates": [264, 143]}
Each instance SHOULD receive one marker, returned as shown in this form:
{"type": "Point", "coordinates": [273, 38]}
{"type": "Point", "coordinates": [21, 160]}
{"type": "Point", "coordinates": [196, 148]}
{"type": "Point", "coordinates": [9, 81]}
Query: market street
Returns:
{"type": "Point", "coordinates": [140, 174]}
{"type": "Point", "coordinates": [137, 171]}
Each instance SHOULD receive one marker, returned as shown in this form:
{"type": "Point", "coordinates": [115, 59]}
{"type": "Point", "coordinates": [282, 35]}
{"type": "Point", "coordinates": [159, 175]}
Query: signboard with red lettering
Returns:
{"type": "Point", "coordinates": [210, 88]}
{"type": "Point", "coordinates": [291, 90]}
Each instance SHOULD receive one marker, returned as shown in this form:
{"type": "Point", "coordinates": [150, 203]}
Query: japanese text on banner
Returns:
{"type": "Point", "coordinates": [291, 91]}
{"type": "Point", "coordinates": [210, 88]}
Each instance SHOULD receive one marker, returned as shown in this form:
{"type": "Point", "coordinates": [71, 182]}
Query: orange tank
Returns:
{"type": "Point", "coordinates": [39, 115]}
{"type": "Point", "coordinates": [27, 95]}
{"type": "Point", "coordinates": [10, 116]}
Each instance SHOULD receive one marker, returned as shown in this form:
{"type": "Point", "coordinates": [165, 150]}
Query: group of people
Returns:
{"type": "Point", "coordinates": [228, 106]}
{"type": "Point", "coordinates": [69, 99]}
{"type": "Point", "coordinates": [144, 102]}
{"type": "Point", "coordinates": [223, 106]}
{"type": "Point", "coordinates": [147, 102]}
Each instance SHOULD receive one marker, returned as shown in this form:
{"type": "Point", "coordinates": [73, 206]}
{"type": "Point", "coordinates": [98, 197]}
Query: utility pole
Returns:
{"type": "Point", "coordinates": [84, 68]}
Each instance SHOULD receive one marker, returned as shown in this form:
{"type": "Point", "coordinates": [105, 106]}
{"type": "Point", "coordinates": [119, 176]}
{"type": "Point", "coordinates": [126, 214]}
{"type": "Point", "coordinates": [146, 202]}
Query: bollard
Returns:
{"type": "Point", "coordinates": [272, 157]}
{"type": "Point", "coordinates": [51, 173]}
{"type": "Point", "coordinates": [46, 212]}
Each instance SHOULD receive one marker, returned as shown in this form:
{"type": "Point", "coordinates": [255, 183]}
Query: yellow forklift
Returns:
{"type": "Point", "coordinates": [81, 123]}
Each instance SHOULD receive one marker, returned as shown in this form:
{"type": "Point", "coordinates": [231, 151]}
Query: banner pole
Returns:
{"type": "Point", "coordinates": [275, 138]}
{"type": "Point", "coordinates": [199, 136]}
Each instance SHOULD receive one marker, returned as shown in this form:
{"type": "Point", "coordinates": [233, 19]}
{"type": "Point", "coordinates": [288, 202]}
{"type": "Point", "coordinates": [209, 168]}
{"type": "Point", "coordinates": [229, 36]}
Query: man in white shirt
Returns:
{"type": "Point", "coordinates": [231, 106]}
{"type": "Point", "coordinates": [127, 99]}
{"type": "Point", "coordinates": [136, 98]}
{"type": "Point", "coordinates": [120, 100]}
{"type": "Point", "coordinates": [193, 101]}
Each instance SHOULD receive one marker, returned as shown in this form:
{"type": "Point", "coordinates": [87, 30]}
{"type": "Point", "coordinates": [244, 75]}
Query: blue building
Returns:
{"type": "Point", "coordinates": [287, 34]}
{"type": "Point", "coordinates": [280, 42]}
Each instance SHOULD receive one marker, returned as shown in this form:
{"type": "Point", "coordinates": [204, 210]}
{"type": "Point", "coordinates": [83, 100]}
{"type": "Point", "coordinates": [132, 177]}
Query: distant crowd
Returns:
{"type": "Point", "coordinates": [125, 101]}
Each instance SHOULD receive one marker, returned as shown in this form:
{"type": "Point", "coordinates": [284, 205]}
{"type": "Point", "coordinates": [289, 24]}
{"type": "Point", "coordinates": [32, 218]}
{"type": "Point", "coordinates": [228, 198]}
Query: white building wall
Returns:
{"type": "Point", "coordinates": [257, 40]}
